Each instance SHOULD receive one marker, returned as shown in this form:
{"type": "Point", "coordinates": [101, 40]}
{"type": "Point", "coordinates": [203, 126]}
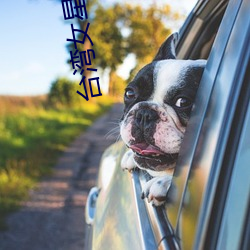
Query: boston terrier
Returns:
{"type": "Point", "coordinates": [158, 102]}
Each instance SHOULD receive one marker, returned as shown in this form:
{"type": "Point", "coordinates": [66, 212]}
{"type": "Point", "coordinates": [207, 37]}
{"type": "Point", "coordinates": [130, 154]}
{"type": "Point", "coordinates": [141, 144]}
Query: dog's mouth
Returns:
{"type": "Point", "coordinates": [149, 152]}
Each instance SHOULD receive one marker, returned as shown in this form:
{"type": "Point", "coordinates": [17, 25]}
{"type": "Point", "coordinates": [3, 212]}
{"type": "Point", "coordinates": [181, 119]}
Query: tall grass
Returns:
{"type": "Point", "coordinates": [31, 138]}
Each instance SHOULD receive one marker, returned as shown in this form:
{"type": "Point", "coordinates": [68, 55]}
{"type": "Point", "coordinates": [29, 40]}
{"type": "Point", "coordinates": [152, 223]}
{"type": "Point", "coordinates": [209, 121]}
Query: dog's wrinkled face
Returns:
{"type": "Point", "coordinates": [158, 103]}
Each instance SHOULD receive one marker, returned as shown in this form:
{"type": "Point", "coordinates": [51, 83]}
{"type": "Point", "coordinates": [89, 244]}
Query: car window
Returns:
{"type": "Point", "coordinates": [208, 130]}
{"type": "Point", "coordinates": [199, 31]}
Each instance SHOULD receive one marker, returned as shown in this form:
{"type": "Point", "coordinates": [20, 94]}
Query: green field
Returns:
{"type": "Point", "coordinates": [32, 136]}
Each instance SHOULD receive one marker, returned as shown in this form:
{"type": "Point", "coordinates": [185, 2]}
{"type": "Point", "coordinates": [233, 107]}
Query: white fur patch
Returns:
{"type": "Point", "coordinates": [157, 188]}
{"type": "Point", "coordinates": [128, 161]}
{"type": "Point", "coordinates": [125, 131]}
{"type": "Point", "coordinates": [167, 138]}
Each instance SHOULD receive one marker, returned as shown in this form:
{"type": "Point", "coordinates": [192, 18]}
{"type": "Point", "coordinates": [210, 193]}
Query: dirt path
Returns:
{"type": "Point", "coordinates": [53, 218]}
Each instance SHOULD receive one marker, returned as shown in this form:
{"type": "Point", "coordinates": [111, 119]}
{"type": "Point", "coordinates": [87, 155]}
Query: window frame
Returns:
{"type": "Point", "coordinates": [195, 139]}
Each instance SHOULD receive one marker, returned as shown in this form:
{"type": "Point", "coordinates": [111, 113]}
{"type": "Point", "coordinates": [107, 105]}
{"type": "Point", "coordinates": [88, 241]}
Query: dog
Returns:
{"type": "Point", "coordinates": [158, 102]}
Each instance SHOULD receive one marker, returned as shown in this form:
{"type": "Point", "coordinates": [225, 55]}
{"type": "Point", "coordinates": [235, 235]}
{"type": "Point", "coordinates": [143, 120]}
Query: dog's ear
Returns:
{"type": "Point", "coordinates": [167, 49]}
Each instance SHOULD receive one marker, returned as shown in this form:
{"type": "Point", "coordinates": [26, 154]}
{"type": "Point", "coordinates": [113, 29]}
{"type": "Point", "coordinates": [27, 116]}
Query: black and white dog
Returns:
{"type": "Point", "coordinates": [158, 103]}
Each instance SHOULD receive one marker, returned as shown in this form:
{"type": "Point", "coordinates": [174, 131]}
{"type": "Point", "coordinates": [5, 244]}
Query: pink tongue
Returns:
{"type": "Point", "coordinates": [145, 149]}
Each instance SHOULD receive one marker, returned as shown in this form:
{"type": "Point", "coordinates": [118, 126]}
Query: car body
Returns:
{"type": "Point", "coordinates": [209, 198]}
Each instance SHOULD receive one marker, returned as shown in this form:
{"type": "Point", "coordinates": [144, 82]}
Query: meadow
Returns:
{"type": "Point", "coordinates": [32, 136]}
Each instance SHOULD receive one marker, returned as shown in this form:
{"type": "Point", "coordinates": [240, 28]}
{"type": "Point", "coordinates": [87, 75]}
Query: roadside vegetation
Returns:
{"type": "Point", "coordinates": [34, 132]}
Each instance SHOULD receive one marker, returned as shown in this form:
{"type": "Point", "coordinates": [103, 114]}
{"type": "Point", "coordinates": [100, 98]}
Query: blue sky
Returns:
{"type": "Point", "coordinates": [32, 45]}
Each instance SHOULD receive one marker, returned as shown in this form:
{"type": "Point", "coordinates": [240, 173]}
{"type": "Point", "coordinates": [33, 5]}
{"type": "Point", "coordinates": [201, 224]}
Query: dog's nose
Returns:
{"type": "Point", "coordinates": [145, 117]}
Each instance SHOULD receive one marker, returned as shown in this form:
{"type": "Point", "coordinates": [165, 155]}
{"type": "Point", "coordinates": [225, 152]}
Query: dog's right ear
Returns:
{"type": "Point", "coordinates": [167, 49]}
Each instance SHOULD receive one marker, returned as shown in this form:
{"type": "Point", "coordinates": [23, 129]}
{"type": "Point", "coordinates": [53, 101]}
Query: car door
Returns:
{"type": "Point", "coordinates": [209, 179]}
{"type": "Point", "coordinates": [122, 220]}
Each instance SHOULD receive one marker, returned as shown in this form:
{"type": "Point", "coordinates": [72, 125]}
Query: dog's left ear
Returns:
{"type": "Point", "coordinates": [167, 49]}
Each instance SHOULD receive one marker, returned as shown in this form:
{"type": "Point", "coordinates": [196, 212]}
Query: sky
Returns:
{"type": "Point", "coordinates": [33, 44]}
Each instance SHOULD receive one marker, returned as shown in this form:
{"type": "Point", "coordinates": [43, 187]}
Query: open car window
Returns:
{"type": "Point", "coordinates": [198, 33]}
{"type": "Point", "coordinates": [198, 170]}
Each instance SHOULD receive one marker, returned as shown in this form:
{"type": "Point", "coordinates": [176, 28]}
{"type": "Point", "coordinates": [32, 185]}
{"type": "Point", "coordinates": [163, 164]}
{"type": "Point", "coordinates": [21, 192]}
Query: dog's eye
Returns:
{"type": "Point", "coordinates": [130, 94]}
{"type": "Point", "coordinates": [183, 102]}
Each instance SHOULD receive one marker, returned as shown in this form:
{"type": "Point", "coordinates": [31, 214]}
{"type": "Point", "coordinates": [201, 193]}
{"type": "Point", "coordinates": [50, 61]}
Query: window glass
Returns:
{"type": "Point", "coordinates": [236, 206]}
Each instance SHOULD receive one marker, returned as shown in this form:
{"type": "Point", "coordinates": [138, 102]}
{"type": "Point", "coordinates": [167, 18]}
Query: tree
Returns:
{"type": "Point", "coordinates": [63, 93]}
{"type": "Point", "coordinates": [147, 31]}
{"type": "Point", "coordinates": [119, 30]}
{"type": "Point", "coordinates": [110, 45]}
{"type": "Point", "coordinates": [106, 36]}
{"type": "Point", "coordinates": [122, 29]}
{"type": "Point", "coordinates": [117, 86]}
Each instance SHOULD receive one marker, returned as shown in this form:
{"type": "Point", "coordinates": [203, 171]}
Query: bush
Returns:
{"type": "Point", "coordinates": [31, 139]}
{"type": "Point", "coordinates": [63, 93]}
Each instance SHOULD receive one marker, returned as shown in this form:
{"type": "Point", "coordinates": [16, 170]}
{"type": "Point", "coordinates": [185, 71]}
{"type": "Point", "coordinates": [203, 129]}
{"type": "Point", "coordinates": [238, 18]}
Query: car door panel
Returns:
{"type": "Point", "coordinates": [120, 220]}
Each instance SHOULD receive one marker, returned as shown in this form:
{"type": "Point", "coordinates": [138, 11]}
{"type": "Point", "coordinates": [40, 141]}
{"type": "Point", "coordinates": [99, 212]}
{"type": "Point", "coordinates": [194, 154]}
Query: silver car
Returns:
{"type": "Point", "coordinates": [208, 203]}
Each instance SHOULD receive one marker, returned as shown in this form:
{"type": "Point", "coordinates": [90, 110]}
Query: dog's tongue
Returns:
{"type": "Point", "coordinates": [145, 149]}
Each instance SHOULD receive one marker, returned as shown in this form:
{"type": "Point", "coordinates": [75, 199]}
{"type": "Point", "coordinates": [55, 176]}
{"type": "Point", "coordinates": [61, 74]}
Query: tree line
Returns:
{"type": "Point", "coordinates": [119, 30]}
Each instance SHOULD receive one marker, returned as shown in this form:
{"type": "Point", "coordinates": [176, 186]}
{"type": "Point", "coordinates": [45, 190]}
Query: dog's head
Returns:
{"type": "Point", "coordinates": [158, 103]}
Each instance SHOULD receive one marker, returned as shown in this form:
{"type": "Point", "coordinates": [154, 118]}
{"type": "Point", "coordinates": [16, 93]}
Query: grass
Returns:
{"type": "Point", "coordinates": [31, 139]}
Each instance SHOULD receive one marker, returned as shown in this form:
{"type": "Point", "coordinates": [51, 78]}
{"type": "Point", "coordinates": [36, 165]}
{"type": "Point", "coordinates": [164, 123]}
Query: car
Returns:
{"type": "Point", "coordinates": [208, 205]}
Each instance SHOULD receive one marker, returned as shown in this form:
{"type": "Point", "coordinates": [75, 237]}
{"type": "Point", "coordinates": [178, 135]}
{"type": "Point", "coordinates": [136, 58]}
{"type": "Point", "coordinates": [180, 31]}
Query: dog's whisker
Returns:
{"type": "Point", "coordinates": [115, 123]}
{"type": "Point", "coordinates": [116, 129]}
{"type": "Point", "coordinates": [111, 135]}
{"type": "Point", "coordinates": [118, 138]}
{"type": "Point", "coordinates": [112, 132]}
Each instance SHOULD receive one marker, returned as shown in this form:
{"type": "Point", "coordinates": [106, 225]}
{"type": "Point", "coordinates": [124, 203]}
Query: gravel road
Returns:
{"type": "Point", "coordinates": [53, 218]}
